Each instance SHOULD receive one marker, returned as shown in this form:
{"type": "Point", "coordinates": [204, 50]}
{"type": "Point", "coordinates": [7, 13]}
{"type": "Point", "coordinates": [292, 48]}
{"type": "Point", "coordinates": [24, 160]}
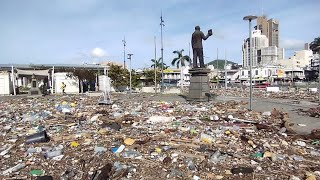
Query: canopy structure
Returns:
{"type": "Point", "coordinates": [33, 72]}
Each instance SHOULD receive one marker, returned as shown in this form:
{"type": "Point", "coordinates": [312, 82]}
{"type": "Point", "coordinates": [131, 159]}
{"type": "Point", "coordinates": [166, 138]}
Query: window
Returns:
{"type": "Point", "coordinates": [257, 72]}
{"type": "Point", "coordinates": [242, 73]}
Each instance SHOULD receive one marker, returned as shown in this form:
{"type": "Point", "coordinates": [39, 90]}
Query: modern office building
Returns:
{"type": "Point", "coordinates": [257, 42]}
{"type": "Point", "coordinates": [269, 28]}
{"type": "Point", "coordinates": [262, 25]}
{"type": "Point", "coordinates": [273, 30]}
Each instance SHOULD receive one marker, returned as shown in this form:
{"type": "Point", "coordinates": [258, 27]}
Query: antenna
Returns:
{"type": "Point", "coordinates": [262, 13]}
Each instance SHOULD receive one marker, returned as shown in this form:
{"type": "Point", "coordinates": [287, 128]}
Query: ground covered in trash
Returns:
{"type": "Point", "coordinates": [72, 137]}
{"type": "Point", "coordinates": [297, 95]}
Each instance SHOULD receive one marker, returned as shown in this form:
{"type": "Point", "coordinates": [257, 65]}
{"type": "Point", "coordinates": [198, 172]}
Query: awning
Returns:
{"type": "Point", "coordinates": [31, 72]}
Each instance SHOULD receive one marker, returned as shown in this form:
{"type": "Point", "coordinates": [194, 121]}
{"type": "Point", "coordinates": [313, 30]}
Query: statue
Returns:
{"type": "Point", "coordinates": [197, 48]}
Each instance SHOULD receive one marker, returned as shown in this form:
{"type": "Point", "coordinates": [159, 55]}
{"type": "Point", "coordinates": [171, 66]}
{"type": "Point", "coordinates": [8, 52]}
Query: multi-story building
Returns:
{"type": "Point", "coordinates": [269, 28]}
{"type": "Point", "coordinates": [273, 31]}
{"type": "Point", "coordinates": [262, 25]}
{"type": "Point", "coordinates": [262, 53]}
{"type": "Point", "coordinates": [257, 42]}
{"type": "Point", "coordinates": [270, 55]}
{"type": "Point", "coordinates": [300, 59]}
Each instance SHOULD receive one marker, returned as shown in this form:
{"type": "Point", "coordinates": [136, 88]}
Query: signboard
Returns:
{"type": "Point", "coordinates": [280, 73]}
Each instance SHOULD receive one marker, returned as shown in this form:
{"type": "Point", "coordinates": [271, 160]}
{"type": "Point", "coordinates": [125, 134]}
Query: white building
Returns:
{"type": "Point", "coordinates": [6, 87]}
{"type": "Point", "coordinates": [257, 42]}
{"type": "Point", "coordinates": [262, 53]}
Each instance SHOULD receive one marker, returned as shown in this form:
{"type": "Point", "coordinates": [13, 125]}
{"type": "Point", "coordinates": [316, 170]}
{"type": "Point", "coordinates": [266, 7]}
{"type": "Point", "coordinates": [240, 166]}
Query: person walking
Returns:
{"type": "Point", "coordinates": [63, 88]}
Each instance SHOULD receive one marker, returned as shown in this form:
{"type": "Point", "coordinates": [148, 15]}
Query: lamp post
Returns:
{"type": "Point", "coordinates": [129, 57]}
{"type": "Point", "coordinates": [155, 63]}
{"type": "Point", "coordinates": [250, 18]}
{"type": "Point", "coordinates": [124, 52]}
{"type": "Point", "coordinates": [225, 71]}
{"type": "Point", "coordinates": [318, 49]}
{"type": "Point", "coordinates": [161, 25]}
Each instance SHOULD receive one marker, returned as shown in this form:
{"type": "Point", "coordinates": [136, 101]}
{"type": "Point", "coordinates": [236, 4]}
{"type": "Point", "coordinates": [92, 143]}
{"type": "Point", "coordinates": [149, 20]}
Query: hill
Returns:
{"type": "Point", "coordinates": [220, 63]}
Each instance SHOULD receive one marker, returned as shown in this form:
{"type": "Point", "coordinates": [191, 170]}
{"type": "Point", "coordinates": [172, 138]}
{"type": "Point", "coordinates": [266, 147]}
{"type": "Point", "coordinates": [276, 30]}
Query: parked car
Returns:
{"type": "Point", "coordinates": [262, 85]}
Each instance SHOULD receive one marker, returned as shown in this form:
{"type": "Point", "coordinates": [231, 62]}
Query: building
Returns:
{"type": "Point", "coordinates": [47, 75]}
{"type": "Point", "coordinates": [306, 46]}
{"type": "Point", "coordinates": [262, 25]}
{"type": "Point", "coordinates": [273, 32]}
{"type": "Point", "coordinates": [270, 55]}
{"type": "Point", "coordinates": [172, 77]}
{"type": "Point", "coordinates": [257, 42]}
{"type": "Point", "coordinates": [269, 28]}
{"type": "Point", "coordinates": [300, 59]}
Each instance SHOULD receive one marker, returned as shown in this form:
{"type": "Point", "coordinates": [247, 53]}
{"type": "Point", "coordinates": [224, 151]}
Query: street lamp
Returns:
{"type": "Point", "coordinates": [124, 52]}
{"type": "Point", "coordinates": [318, 49]}
{"type": "Point", "coordinates": [129, 57]}
{"type": "Point", "coordinates": [161, 24]}
{"type": "Point", "coordinates": [250, 18]}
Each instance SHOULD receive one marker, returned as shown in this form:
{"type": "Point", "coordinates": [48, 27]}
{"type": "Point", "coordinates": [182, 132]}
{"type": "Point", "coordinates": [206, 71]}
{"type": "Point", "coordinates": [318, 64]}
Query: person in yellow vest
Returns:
{"type": "Point", "coordinates": [63, 88]}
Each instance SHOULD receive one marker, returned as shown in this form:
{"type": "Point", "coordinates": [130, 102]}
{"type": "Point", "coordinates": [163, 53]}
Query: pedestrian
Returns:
{"type": "Point", "coordinates": [63, 88]}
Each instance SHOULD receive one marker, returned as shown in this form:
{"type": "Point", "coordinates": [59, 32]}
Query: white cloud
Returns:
{"type": "Point", "coordinates": [292, 44]}
{"type": "Point", "coordinates": [98, 52]}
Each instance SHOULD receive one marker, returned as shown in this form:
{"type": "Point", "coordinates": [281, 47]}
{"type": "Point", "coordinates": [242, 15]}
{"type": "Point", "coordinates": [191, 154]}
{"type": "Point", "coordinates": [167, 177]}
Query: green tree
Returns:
{"type": "Point", "coordinates": [118, 75]}
{"type": "Point", "coordinates": [157, 64]}
{"type": "Point", "coordinates": [315, 45]}
{"type": "Point", "coordinates": [180, 61]}
{"type": "Point", "coordinates": [81, 75]}
{"type": "Point", "coordinates": [136, 79]}
{"type": "Point", "coordinates": [149, 77]}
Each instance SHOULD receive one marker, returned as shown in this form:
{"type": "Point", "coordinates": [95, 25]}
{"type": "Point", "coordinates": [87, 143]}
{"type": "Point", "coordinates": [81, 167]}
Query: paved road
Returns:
{"type": "Point", "coordinates": [285, 105]}
{"type": "Point", "coordinates": [258, 104]}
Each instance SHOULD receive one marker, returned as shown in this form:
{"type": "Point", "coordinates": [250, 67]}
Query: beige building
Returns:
{"type": "Point", "coordinates": [300, 59]}
{"type": "Point", "coordinates": [269, 28]}
{"type": "Point", "coordinates": [262, 25]}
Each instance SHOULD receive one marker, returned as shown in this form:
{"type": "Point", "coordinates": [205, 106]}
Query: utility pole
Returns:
{"type": "Point", "coordinates": [124, 52]}
{"type": "Point", "coordinates": [225, 70]}
{"type": "Point", "coordinates": [129, 57]}
{"type": "Point", "coordinates": [155, 63]}
{"type": "Point", "coordinates": [217, 57]}
{"type": "Point", "coordinates": [161, 25]}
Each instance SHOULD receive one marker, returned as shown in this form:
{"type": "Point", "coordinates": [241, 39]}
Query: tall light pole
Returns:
{"type": "Point", "coordinates": [155, 63]}
{"type": "Point", "coordinates": [250, 18]}
{"type": "Point", "coordinates": [161, 25]}
{"type": "Point", "coordinates": [225, 69]}
{"type": "Point", "coordinates": [129, 57]}
{"type": "Point", "coordinates": [124, 52]}
{"type": "Point", "coordinates": [318, 49]}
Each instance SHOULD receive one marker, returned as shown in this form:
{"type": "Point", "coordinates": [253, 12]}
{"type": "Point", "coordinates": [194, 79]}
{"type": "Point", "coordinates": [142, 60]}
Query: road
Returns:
{"type": "Point", "coordinates": [258, 104]}
{"type": "Point", "coordinates": [285, 105]}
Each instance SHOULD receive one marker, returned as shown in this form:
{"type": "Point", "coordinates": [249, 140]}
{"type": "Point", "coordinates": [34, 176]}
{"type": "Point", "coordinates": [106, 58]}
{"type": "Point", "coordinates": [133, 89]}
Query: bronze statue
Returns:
{"type": "Point", "coordinates": [197, 48]}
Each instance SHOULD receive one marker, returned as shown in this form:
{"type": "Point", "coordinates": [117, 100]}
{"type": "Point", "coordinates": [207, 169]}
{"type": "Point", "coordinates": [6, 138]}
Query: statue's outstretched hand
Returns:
{"type": "Point", "coordinates": [210, 32]}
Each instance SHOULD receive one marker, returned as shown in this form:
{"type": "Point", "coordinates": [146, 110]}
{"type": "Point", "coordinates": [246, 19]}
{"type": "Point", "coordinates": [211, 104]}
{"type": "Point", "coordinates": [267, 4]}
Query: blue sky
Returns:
{"type": "Point", "coordinates": [68, 31]}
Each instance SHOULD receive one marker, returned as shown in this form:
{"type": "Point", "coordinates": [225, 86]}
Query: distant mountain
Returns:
{"type": "Point", "coordinates": [220, 63]}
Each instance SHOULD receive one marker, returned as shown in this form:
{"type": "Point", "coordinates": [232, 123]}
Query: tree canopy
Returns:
{"type": "Point", "coordinates": [181, 60]}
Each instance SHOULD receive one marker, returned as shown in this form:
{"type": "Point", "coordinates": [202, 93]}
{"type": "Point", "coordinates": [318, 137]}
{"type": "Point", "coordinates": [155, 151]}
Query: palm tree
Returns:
{"type": "Point", "coordinates": [157, 64]}
{"type": "Point", "coordinates": [180, 61]}
{"type": "Point", "coordinates": [315, 45]}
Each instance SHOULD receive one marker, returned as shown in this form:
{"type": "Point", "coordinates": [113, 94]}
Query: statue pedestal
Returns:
{"type": "Point", "coordinates": [199, 85]}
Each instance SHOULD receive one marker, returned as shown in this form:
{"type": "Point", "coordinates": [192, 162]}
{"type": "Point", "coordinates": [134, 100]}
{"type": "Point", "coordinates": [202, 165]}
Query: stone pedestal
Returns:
{"type": "Point", "coordinates": [34, 90]}
{"type": "Point", "coordinates": [199, 85]}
